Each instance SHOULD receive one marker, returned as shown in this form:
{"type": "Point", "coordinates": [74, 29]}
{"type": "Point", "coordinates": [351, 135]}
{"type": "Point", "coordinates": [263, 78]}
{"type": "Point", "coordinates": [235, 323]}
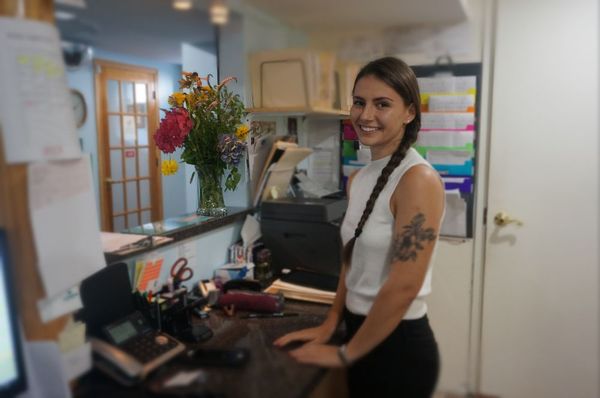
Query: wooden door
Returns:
{"type": "Point", "coordinates": [130, 185]}
{"type": "Point", "coordinates": [540, 322]}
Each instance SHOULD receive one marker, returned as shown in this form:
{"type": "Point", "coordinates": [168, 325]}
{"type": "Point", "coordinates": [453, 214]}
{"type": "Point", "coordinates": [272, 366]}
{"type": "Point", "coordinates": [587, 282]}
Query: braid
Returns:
{"type": "Point", "coordinates": [397, 157]}
{"type": "Point", "coordinates": [397, 75]}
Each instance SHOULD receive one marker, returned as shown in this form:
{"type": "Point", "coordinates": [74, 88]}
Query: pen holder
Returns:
{"type": "Point", "coordinates": [252, 301]}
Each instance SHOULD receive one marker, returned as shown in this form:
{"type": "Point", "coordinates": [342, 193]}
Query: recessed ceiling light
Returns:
{"type": "Point", "coordinates": [182, 5]}
{"type": "Point", "coordinates": [219, 12]}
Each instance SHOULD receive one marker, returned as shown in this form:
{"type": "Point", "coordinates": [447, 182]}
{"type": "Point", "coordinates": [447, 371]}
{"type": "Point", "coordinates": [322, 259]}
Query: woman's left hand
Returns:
{"type": "Point", "coordinates": [318, 354]}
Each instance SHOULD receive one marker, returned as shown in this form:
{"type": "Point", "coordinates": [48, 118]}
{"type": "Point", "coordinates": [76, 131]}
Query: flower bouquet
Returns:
{"type": "Point", "coordinates": [206, 121]}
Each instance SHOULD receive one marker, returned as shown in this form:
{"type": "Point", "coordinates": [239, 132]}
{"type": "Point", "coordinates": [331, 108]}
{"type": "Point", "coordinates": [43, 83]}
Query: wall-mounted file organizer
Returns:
{"type": "Point", "coordinates": [450, 98]}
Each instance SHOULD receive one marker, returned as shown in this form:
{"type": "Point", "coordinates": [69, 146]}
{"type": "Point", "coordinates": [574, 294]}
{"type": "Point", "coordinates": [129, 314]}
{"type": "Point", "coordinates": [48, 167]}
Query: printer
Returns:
{"type": "Point", "coordinates": [303, 235]}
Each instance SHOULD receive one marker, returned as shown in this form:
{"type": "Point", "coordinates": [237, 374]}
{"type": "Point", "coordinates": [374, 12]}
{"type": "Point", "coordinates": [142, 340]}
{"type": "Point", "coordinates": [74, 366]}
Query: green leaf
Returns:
{"type": "Point", "coordinates": [233, 179]}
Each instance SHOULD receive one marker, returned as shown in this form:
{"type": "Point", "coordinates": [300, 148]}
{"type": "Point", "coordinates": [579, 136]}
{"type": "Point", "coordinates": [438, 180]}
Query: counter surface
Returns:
{"type": "Point", "coordinates": [270, 372]}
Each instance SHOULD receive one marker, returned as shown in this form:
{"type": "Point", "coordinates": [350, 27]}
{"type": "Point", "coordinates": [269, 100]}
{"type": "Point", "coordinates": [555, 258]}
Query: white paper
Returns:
{"type": "Point", "coordinates": [312, 189]}
{"type": "Point", "coordinates": [250, 232]}
{"type": "Point", "coordinates": [64, 222]}
{"type": "Point", "coordinates": [446, 84]}
{"type": "Point", "coordinates": [280, 173]}
{"type": "Point", "coordinates": [445, 138]}
{"type": "Point", "coordinates": [114, 242]}
{"type": "Point", "coordinates": [449, 157]}
{"type": "Point", "coordinates": [46, 375]}
{"type": "Point", "coordinates": [447, 121]}
{"type": "Point", "coordinates": [77, 361]}
{"type": "Point", "coordinates": [451, 103]}
{"type": "Point", "coordinates": [60, 304]}
{"type": "Point", "coordinates": [35, 108]}
{"type": "Point", "coordinates": [455, 218]}
{"type": "Point", "coordinates": [322, 168]}
{"type": "Point", "coordinates": [185, 378]}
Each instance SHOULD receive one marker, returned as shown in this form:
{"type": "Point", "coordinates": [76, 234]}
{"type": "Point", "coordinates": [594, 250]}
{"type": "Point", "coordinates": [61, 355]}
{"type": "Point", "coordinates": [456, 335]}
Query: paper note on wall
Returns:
{"type": "Point", "coordinates": [35, 108]}
{"type": "Point", "coordinates": [455, 218]}
{"type": "Point", "coordinates": [452, 103]}
{"type": "Point", "coordinates": [150, 275]}
{"type": "Point", "coordinates": [64, 220]}
{"type": "Point", "coordinates": [448, 121]}
{"type": "Point", "coordinates": [447, 139]}
{"type": "Point", "coordinates": [447, 84]}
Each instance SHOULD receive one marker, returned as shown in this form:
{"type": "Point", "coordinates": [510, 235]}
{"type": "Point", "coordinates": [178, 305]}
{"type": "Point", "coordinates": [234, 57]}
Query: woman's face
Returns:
{"type": "Point", "coordinates": [379, 116]}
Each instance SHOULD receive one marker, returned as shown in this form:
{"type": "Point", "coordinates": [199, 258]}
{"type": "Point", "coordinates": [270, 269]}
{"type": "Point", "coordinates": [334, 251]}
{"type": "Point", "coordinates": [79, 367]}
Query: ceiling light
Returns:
{"type": "Point", "coordinates": [219, 12]}
{"type": "Point", "coordinates": [182, 5]}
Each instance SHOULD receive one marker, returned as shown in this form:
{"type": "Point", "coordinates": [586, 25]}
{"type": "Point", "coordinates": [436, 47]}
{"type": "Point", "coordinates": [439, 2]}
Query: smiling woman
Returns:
{"type": "Point", "coordinates": [390, 232]}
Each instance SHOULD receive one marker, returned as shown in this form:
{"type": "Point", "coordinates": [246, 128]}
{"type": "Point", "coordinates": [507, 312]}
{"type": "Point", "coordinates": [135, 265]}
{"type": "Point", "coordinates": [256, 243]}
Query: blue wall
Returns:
{"type": "Point", "coordinates": [82, 79]}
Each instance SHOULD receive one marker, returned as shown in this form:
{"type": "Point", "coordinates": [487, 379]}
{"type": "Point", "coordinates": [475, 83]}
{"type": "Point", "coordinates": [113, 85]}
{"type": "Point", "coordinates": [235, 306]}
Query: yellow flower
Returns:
{"type": "Point", "coordinates": [242, 132]}
{"type": "Point", "coordinates": [176, 99]}
{"type": "Point", "coordinates": [169, 167]}
{"type": "Point", "coordinates": [192, 100]}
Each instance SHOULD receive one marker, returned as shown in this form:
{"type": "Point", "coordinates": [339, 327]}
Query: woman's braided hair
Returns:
{"type": "Point", "coordinates": [399, 76]}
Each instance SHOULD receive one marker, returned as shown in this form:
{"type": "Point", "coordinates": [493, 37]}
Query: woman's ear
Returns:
{"type": "Point", "coordinates": [410, 114]}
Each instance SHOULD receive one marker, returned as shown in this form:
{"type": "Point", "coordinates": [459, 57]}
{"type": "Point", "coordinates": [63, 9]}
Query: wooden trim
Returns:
{"type": "Point", "coordinates": [125, 67]}
{"type": "Point", "coordinates": [155, 172]}
{"type": "Point", "coordinates": [109, 70]}
{"type": "Point", "coordinates": [14, 217]}
{"type": "Point", "coordinates": [102, 142]}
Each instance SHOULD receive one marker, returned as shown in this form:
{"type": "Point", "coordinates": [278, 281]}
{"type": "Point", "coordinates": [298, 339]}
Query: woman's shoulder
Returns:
{"type": "Point", "coordinates": [420, 182]}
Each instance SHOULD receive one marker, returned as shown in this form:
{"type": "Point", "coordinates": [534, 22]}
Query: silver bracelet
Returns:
{"type": "Point", "coordinates": [343, 356]}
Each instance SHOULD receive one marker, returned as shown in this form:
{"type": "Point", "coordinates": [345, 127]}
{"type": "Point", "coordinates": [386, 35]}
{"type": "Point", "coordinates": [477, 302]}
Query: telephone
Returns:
{"type": "Point", "coordinates": [132, 349]}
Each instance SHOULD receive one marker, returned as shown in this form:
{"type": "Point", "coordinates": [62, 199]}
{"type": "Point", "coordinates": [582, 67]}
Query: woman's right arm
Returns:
{"type": "Point", "coordinates": [322, 333]}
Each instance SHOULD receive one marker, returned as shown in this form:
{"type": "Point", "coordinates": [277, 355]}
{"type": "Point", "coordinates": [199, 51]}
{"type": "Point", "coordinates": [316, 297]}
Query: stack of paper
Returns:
{"type": "Point", "coordinates": [117, 243]}
{"type": "Point", "coordinates": [278, 170]}
{"type": "Point", "coordinates": [297, 292]}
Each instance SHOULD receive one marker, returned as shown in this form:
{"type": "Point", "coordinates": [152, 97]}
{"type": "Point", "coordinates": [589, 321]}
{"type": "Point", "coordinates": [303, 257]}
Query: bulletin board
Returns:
{"type": "Point", "coordinates": [450, 106]}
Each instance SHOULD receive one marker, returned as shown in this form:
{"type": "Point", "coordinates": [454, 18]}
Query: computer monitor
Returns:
{"type": "Point", "coordinates": [12, 373]}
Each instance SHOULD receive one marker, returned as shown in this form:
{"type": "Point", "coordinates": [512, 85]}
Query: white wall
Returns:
{"type": "Point", "coordinates": [249, 30]}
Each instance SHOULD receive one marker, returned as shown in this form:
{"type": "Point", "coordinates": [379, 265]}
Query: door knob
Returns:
{"type": "Point", "coordinates": [503, 218]}
{"type": "Point", "coordinates": [109, 180]}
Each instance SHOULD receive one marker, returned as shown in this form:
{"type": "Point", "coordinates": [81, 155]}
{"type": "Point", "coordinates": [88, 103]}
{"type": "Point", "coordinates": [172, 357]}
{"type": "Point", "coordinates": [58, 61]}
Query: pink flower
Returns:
{"type": "Point", "coordinates": [173, 129]}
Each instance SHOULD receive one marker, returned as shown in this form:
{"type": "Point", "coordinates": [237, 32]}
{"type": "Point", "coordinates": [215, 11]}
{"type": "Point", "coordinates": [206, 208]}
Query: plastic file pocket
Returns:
{"type": "Point", "coordinates": [448, 138]}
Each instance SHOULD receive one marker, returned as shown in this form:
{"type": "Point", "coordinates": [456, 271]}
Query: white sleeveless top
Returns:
{"type": "Point", "coordinates": [371, 256]}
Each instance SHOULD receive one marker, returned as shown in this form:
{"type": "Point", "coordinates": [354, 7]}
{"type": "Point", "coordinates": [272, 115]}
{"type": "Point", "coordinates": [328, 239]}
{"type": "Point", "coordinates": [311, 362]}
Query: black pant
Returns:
{"type": "Point", "coordinates": [405, 364]}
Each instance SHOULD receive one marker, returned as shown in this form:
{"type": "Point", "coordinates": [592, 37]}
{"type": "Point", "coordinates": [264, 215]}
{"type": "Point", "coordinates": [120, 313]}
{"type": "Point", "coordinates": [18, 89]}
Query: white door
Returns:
{"type": "Point", "coordinates": [540, 310]}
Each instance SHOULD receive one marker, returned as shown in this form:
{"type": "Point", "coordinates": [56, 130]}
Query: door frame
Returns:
{"type": "Point", "coordinates": [481, 197]}
{"type": "Point", "coordinates": [102, 140]}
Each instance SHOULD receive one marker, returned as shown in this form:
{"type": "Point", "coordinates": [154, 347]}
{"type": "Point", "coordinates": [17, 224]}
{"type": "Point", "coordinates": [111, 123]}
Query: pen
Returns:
{"type": "Point", "coordinates": [273, 315]}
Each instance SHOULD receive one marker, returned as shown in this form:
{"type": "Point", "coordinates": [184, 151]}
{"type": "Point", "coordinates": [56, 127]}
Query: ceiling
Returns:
{"type": "Point", "coordinates": [144, 28]}
{"type": "Point", "coordinates": [328, 15]}
{"type": "Point", "coordinates": [152, 29]}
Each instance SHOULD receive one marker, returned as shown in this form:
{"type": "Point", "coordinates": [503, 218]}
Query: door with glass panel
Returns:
{"type": "Point", "coordinates": [130, 191]}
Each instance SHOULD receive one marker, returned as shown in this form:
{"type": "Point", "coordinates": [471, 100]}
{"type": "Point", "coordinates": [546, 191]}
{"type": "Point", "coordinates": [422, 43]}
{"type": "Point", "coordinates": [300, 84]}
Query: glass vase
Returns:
{"type": "Point", "coordinates": [210, 192]}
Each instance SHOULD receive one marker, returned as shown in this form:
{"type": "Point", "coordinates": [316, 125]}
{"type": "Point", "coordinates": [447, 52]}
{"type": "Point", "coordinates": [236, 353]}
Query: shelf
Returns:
{"type": "Point", "coordinates": [296, 111]}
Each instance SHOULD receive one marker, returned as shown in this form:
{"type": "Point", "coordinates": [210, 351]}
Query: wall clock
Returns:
{"type": "Point", "coordinates": [79, 107]}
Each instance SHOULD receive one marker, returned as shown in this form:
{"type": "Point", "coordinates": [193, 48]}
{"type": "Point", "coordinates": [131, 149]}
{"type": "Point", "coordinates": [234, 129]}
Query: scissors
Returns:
{"type": "Point", "coordinates": [180, 271]}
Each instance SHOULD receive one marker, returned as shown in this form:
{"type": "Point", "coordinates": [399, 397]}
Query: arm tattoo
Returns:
{"type": "Point", "coordinates": [407, 243]}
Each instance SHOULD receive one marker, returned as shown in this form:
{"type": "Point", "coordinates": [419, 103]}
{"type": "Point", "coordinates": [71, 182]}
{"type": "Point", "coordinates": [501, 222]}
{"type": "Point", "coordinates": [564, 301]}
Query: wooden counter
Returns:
{"type": "Point", "coordinates": [270, 372]}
